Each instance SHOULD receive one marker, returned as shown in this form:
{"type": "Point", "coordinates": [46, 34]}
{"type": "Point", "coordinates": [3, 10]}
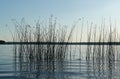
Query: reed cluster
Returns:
{"type": "Point", "coordinates": [101, 34]}
{"type": "Point", "coordinates": [47, 55]}
{"type": "Point", "coordinates": [43, 33]}
{"type": "Point", "coordinates": [33, 56]}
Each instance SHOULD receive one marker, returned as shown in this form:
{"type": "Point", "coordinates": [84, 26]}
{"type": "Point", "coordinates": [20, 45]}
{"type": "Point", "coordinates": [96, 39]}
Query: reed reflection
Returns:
{"type": "Point", "coordinates": [35, 61]}
{"type": "Point", "coordinates": [101, 66]}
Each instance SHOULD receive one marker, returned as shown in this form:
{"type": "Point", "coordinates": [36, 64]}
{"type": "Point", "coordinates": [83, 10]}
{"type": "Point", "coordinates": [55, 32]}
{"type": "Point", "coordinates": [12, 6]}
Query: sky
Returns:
{"type": "Point", "coordinates": [66, 11]}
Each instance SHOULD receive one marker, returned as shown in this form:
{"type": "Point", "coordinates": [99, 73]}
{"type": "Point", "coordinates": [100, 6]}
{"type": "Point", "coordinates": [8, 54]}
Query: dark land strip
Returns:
{"type": "Point", "coordinates": [62, 43]}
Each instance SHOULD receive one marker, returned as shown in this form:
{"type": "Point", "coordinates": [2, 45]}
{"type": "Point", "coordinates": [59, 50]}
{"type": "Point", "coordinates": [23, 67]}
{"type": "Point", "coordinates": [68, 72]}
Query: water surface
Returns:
{"type": "Point", "coordinates": [72, 67]}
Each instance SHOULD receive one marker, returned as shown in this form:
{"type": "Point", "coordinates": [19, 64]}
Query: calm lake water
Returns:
{"type": "Point", "coordinates": [72, 67]}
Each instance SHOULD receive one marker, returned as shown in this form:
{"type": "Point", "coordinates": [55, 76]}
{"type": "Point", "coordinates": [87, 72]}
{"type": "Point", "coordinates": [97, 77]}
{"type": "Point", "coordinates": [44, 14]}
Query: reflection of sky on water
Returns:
{"type": "Point", "coordinates": [64, 69]}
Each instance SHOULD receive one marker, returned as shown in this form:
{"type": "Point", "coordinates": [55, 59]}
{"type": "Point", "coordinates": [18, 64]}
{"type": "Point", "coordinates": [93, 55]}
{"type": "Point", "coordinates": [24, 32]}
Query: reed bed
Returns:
{"type": "Point", "coordinates": [34, 57]}
{"type": "Point", "coordinates": [46, 57]}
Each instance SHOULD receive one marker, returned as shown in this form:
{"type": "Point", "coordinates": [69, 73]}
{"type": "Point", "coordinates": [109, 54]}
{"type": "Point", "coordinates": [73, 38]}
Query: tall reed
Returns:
{"type": "Point", "coordinates": [46, 55]}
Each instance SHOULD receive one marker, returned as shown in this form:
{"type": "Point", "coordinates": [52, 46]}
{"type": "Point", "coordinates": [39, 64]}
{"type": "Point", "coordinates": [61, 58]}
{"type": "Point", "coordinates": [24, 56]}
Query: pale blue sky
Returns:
{"type": "Point", "coordinates": [66, 11]}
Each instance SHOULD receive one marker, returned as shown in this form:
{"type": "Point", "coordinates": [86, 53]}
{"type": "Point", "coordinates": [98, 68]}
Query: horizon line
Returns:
{"type": "Point", "coordinates": [62, 43]}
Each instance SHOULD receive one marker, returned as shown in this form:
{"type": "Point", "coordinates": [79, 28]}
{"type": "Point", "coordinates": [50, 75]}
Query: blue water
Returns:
{"type": "Point", "coordinates": [67, 69]}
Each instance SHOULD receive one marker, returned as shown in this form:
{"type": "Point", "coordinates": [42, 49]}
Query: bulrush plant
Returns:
{"type": "Point", "coordinates": [100, 35]}
{"type": "Point", "coordinates": [89, 38]}
{"type": "Point", "coordinates": [34, 54]}
{"type": "Point", "coordinates": [102, 55]}
{"type": "Point", "coordinates": [38, 57]}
